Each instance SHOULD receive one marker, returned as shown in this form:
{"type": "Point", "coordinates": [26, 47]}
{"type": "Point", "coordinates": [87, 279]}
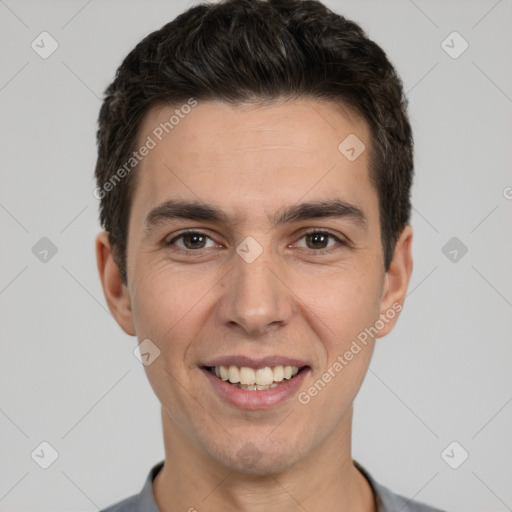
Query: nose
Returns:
{"type": "Point", "coordinates": [256, 298]}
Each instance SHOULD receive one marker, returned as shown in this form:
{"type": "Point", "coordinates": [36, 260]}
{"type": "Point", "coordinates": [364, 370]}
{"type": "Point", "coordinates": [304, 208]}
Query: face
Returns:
{"type": "Point", "coordinates": [279, 263]}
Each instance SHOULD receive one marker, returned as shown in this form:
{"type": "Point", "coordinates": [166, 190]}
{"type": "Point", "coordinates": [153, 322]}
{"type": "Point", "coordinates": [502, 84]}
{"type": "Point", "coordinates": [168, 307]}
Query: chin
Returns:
{"type": "Point", "coordinates": [253, 458]}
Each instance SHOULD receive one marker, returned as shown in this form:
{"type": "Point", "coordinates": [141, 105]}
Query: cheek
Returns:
{"type": "Point", "coordinates": [163, 303]}
{"type": "Point", "coordinates": [344, 311]}
{"type": "Point", "coordinates": [346, 302]}
{"type": "Point", "coordinates": [165, 308]}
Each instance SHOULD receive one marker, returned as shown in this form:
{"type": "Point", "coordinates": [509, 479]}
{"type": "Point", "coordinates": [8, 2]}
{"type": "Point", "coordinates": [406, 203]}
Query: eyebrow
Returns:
{"type": "Point", "coordinates": [200, 211]}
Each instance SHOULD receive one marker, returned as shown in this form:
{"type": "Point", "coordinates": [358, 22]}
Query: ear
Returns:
{"type": "Point", "coordinates": [116, 293]}
{"type": "Point", "coordinates": [396, 282]}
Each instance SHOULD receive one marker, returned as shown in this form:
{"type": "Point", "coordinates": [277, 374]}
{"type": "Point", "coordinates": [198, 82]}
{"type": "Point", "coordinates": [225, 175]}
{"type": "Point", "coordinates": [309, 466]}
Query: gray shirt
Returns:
{"type": "Point", "coordinates": [387, 501]}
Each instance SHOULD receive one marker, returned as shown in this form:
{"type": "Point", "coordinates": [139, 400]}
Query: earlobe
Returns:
{"type": "Point", "coordinates": [115, 291]}
{"type": "Point", "coordinates": [396, 281]}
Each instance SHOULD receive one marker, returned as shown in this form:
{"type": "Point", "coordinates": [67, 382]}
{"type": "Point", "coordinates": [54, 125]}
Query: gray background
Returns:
{"type": "Point", "coordinates": [68, 374]}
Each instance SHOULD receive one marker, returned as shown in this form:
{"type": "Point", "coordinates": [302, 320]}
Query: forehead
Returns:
{"type": "Point", "coordinates": [250, 158]}
{"type": "Point", "coordinates": [310, 126]}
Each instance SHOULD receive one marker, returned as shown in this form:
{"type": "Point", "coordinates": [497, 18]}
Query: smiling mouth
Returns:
{"type": "Point", "coordinates": [257, 379]}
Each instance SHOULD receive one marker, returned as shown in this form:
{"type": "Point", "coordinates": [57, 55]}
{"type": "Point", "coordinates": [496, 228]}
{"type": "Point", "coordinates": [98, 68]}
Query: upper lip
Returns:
{"type": "Point", "coordinates": [259, 362]}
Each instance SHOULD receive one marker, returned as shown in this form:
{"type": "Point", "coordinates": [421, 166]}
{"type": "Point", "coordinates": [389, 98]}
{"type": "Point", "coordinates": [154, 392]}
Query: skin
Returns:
{"type": "Point", "coordinates": [251, 161]}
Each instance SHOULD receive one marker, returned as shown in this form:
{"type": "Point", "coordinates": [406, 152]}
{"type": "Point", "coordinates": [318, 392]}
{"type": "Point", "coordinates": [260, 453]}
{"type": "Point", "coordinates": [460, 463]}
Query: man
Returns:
{"type": "Point", "coordinates": [254, 170]}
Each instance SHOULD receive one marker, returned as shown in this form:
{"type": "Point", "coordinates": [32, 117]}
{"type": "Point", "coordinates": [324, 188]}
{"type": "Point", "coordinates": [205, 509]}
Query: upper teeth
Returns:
{"type": "Point", "coordinates": [261, 376]}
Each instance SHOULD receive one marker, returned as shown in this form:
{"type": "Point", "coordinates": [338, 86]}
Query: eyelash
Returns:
{"type": "Point", "coordinates": [311, 252]}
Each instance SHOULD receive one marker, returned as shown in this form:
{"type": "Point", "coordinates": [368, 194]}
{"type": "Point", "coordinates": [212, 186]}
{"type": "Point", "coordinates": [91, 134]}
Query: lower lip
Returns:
{"type": "Point", "coordinates": [257, 399]}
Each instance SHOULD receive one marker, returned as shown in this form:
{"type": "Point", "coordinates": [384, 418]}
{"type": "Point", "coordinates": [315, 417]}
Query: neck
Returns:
{"type": "Point", "coordinates": [325, 480]}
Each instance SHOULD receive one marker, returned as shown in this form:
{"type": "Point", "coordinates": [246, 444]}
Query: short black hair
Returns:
{"type": "Point", "coordinates": [257, 51]}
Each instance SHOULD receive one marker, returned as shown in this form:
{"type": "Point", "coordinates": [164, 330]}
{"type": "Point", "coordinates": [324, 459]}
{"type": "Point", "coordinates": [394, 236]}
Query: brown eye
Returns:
{"type": "Point", "coordinates": [317, 240]}
{"type": "Point", "coordinates": [194, 241]}
{"type": "Point", "coordinates": [191, 240]}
